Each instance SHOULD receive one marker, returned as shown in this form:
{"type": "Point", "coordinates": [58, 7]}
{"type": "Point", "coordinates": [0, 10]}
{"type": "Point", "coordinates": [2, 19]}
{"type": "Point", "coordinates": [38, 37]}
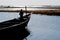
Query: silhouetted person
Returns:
{"type": "Point", "coordinates": [21, 14]}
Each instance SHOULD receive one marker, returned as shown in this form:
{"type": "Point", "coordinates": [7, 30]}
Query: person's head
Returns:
{"type": "Point", "coordinates": [21, 9]}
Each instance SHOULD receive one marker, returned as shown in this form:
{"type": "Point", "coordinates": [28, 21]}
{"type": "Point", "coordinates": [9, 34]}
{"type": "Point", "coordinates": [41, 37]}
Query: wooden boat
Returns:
{"type": "Point", "coordinates": [14, 29]}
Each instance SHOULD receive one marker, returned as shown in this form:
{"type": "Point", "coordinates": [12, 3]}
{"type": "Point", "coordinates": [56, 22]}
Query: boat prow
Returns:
{"type": "Point", "coordinates": [14, 29]}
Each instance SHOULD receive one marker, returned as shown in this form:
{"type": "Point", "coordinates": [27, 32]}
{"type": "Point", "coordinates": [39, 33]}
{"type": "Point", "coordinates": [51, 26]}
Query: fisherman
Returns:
{"type": "Point", "coordinates": [21, 14]}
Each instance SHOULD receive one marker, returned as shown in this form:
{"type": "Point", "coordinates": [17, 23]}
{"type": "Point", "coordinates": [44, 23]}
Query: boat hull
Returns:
{"type": "Point", "coordinates": [14, 30]}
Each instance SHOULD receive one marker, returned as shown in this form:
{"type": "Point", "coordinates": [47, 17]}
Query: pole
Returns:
{"type": "Point", "coordinates": [26, 9]}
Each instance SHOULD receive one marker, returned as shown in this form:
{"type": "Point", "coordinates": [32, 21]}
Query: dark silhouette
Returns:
{"type": "Point", "coordinates": [21, 14]}
{"type": "Point", "coordinates": [14, 29]}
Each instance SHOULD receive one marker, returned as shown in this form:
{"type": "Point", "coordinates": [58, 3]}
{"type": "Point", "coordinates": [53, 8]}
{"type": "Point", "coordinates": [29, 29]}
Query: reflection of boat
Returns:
{"type": "Point", "coordinates": [14, 29]}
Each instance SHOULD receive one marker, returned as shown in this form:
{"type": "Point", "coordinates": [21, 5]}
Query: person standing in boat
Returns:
{"type": "Point", "coordinates": [21, 14]}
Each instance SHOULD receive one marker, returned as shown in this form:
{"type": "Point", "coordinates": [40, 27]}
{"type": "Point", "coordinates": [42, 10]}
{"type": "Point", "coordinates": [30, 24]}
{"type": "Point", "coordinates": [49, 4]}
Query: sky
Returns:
{"type": "Point", "coordinates": [29, 2]}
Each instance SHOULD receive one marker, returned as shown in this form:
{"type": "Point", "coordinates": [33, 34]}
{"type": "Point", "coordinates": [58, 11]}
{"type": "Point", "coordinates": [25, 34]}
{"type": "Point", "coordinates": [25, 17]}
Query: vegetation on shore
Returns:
{"type": "Point", "coordinates": [45, 12]}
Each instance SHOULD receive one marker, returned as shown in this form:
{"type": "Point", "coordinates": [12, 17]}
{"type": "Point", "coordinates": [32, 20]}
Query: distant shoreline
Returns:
{"type": "Point", "coordinates": [46, 6]}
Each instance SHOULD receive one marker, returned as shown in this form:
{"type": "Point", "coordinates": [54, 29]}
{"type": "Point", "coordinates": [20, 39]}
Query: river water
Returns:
{"type": "Point", "coordinates": [41, 27]}
{"type": "Point", "coordinates": [44, 27]}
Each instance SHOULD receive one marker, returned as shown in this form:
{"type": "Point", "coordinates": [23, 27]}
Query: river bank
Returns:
{"type": "Point", "coordinates": [43, 12]}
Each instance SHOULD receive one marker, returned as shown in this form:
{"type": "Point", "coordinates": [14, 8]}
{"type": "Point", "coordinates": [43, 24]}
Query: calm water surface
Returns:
{"type": "Point", "coordinates": [44, 27]}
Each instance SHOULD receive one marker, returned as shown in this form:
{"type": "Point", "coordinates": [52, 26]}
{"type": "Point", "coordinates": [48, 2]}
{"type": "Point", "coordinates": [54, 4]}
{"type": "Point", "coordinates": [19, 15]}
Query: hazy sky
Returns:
{"type": "Point", "coordinates": [29, 2]}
